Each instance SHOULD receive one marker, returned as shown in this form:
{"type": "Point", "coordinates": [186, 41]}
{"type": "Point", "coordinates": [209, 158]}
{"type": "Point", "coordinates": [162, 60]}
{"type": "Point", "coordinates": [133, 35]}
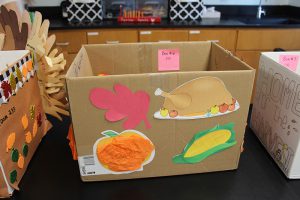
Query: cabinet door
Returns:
{"type": "Point", "coordinates": [268, 39]}
{"type": "Point", "coordinates": [69, 57]}
{"type": "Point", "coordinates": [112, 36]}
{"type": "Point", "coordinates": [70, 41]}
{"type": "Point", "coordinates": [224, 37]}
{"type": "Point", "coordinates": [163, 35]}
{"type": "Point", "coordinates": [252, 59]}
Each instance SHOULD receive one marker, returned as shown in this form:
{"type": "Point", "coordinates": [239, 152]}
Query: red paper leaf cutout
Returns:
{"type": "Point", "coordinates": [6, 89]}
{"type": "Point", "coordinates": [113, 115]}
{"type": "Point", "coordinates": [122, 103]}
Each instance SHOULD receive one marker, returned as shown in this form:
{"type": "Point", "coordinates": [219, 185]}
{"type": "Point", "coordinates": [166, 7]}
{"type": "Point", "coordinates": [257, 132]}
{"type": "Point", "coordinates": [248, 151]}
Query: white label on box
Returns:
{"type": "Point", "coordinates": [87, 165]}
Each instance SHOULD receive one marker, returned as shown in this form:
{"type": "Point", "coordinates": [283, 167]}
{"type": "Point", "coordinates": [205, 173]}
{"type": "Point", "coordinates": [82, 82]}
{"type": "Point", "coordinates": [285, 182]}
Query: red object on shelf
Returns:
{"type": "Point", "coordinates": [139, 19]}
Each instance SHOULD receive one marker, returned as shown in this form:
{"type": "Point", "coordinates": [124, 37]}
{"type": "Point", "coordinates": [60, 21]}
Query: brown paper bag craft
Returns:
{"type": "Point", "coordinates": [16, 35]}
{"type": "Point", "coordinates": [23, 122]}
{"type": "Point", "coordinates": [199, 98]}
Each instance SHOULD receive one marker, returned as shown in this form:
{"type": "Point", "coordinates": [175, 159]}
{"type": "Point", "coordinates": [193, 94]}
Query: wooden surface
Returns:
{"type": "Point", "coordinates": [111, 36]}
{"type": "Point", "coordinates": [268, 39]}
{"type": "Point", "coordinates": [70, 41]}
{"type": "Point", "coordinates": [163, 35]}
{"type": "Point", "coordinates": [225, 37]}
{"type": "Point", "coordinates": [69, 57]}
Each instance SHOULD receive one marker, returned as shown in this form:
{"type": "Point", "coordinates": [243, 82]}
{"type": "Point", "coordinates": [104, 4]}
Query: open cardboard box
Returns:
{"type": "Point", "coordinates": [123, 130]}
{"type": "Point", "coordinates": [276, 111]}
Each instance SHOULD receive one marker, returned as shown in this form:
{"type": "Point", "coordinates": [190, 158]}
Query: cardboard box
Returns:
{"type": "Point", "coordinates": [125, 129]}
{"type": "Point", "coordinates": [276, 112]}
{"type": "Point", "coordinates": [23, 122]}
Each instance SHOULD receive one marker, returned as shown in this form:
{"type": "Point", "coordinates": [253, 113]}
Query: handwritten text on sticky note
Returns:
{"type": "Point", "coordinates": [168, 60]}
{"type": "Point", "coordinates": [289, 61]}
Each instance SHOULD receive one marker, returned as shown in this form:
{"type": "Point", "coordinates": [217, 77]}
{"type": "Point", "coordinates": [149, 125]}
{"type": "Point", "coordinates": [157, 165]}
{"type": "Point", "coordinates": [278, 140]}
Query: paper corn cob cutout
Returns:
{"type": "Point", "coordinates": [199, 98]}
{"type": "Point", "coordinates": [207, 143]}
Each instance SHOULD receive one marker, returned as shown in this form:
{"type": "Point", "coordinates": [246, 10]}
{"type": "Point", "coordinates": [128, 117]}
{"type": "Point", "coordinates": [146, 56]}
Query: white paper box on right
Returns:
{"type": "Point", "coordinates": [276, 109]}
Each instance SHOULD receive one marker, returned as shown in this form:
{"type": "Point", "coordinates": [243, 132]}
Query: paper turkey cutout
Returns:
{"type": "Point", "coordinates": [199, 98]}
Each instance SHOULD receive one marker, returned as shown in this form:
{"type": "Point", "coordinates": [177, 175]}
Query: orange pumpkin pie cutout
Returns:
{"type": "Point", "coordinates": [124, 152]}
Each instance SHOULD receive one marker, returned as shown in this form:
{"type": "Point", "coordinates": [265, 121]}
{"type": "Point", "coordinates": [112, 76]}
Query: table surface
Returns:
{"type": "Point", "coordinates": [52, 174]}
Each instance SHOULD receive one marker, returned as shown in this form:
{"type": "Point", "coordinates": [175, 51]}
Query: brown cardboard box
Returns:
{"type": "Point", "coordinates": [102, 104]}
{"type": "Point", "coordinates": [275, 112]}
{"type": "Point", "coordinates": [23, 122]}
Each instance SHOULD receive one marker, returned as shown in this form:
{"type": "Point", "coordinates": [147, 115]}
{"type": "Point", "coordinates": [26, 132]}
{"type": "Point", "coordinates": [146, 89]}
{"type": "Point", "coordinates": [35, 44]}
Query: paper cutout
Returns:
{"type": "Point", "coordinates": [34, 128]}
{"type": "Point", "coordinates": [28, 137]}
{"type": "Point", "coordinates": [19, 74]}
{"type": "Point", "coordinates": [25, 150]}
{"type": "Point", "coordinates": [12, 82]}
{"type": "Point", "coordinates": [10, 141]}
{"type": "Point", "coordinates": [14, 155]}
{"type": "Point", "coordinates": [289, 61]}
{"type": "Point", "coordinates": [72, 143]}
{"type": "Point", "coordinates": [25, 121]}
{"type": "Point", "coordinates": [29, 65]}
{"type": "Point", "coordinates": [122, 104]}
{"type": "Point", "coordinates": [24, 71]}
{"type": "Point", "coordinates": [13, 176]}
{"type": "Point", "coordinates": [124, 152]}
{"type": "Point", "coordinates": [168, 60]}
{"type": "Point", "coordinates": [21, 161]}
{"type": "Point", "coordinates": [32, 111]}
{"type": "Point", "coordinates": [199, 98]}
{"type": "Point", "coordinates": [207, 143]}
{"type": "Point", "coordinates": [39, 119]}
{"type": "Point", "coordinates": [6, 89]}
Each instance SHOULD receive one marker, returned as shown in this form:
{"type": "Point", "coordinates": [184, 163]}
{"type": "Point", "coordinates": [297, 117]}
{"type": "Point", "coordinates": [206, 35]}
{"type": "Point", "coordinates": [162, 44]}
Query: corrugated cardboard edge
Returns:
{"type": "Point", "coordinates": [251, 85]}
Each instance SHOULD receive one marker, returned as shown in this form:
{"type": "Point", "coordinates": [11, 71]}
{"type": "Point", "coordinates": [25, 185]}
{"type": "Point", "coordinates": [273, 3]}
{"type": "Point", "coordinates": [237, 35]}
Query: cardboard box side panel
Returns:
{"type": "Point", "coordinates": [168, 136]}
{"type": "Point", "coordinates": [223, 60]}
{"type": "Point", "coordinates": [114, 59]}
{"type": "Point", "coordinates": [275, 115]}
{"type": "Point", "coordinates": [20, 104]}
{"type": "Point", "coordinates": [143, 57]}
{"type": "Point", "coordinates": [80, 66]}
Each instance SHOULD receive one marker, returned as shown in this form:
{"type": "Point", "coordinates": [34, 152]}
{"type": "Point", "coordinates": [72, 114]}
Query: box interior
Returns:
{"type": "Point", "coordinates": [8, 58]}
{"type": "Point", "coordinates": [142, 58]}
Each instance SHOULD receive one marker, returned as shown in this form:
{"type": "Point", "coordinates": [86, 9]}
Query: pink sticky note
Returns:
{"type": "Point", "coordinates": [168, 60]}
{"type": "Point", "coordinates": [289, 61]}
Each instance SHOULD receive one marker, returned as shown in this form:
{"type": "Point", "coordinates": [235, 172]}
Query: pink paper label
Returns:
{"type": "Point", "coordinates": [289, 61]}
{"type": "Point", "coordinates": [168, 60]}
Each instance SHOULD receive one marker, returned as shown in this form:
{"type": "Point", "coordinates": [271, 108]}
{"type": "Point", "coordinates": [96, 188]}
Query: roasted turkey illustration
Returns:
{"type": "Point", "coordinates": [199, 98]}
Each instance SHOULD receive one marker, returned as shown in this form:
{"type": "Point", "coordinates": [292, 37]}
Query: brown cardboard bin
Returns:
{"type": "Point", "coordinates": [203, 142]}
